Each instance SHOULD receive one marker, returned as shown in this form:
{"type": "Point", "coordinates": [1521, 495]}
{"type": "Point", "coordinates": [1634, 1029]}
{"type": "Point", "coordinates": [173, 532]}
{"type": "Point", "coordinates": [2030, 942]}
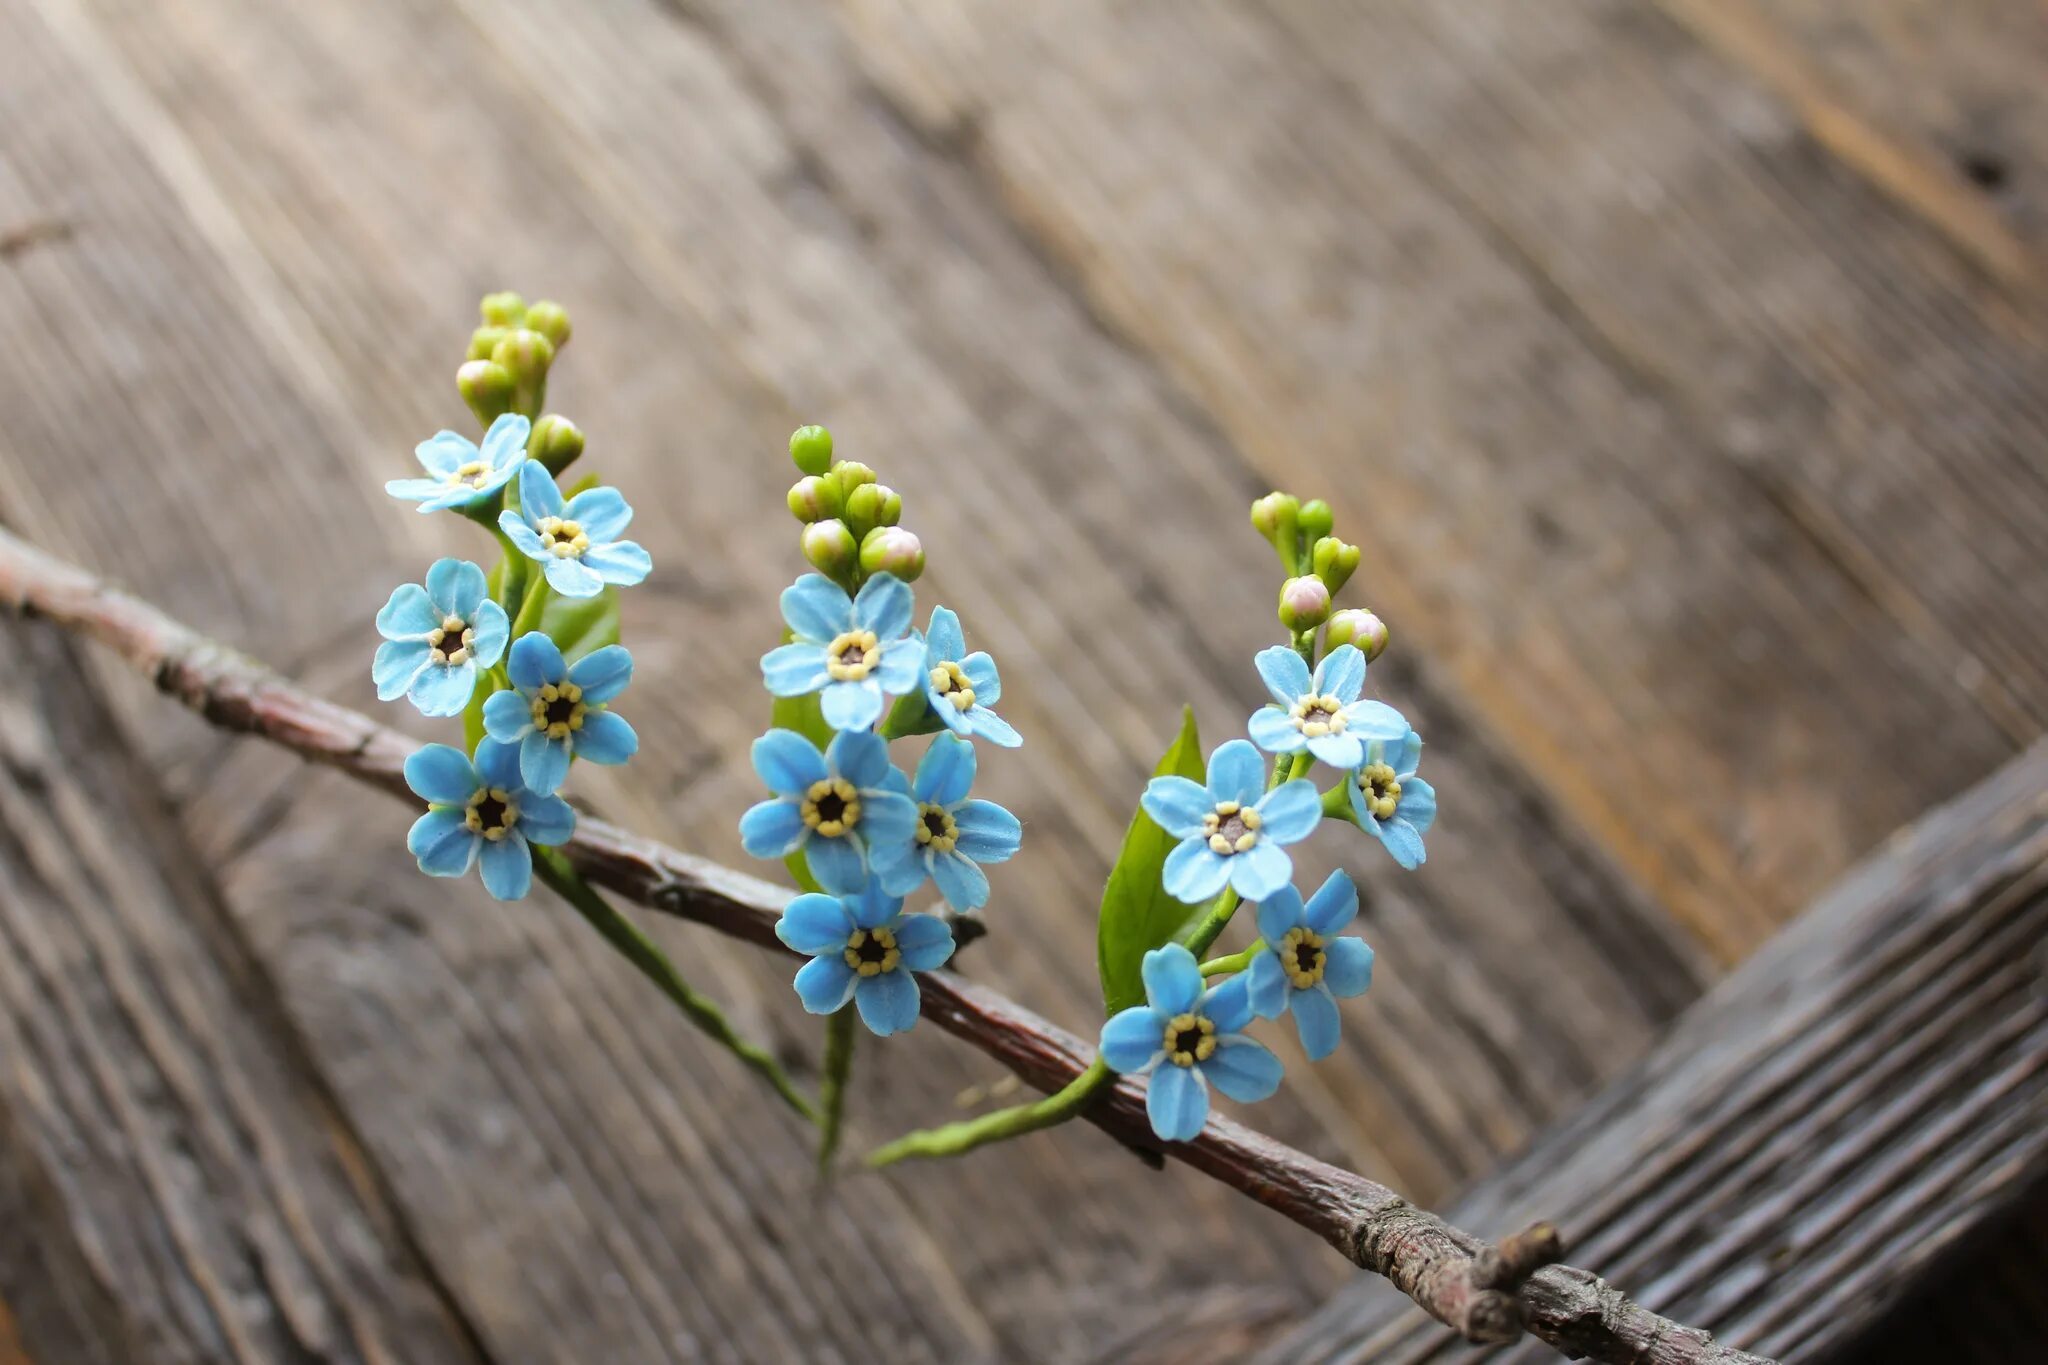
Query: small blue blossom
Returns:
{"type": "Point", "coordinates": [554, 712]}
{"type": "Point", "coordinates": [1391, 802]}
{"type": "Point", "coordinates": [849, 650]}
{"type": "Point", "coordinates": [953, 835]}
{"type": "Point", "coordinates": [1306, 965]}
{"type": "Point", "coordinates": [459, 474]}
{"type": "Point", "coordinates": [1232, 831]}
{"type": "Point", "coordinates": [864, 948]}
{"type": "Point", "coordinates": [837, 808]}
{"type": "Point", "coordinates": [481, 813]}
{"type": "Point", "coordinates": [576, 543]}
{"type": "Point", "coordinates": [1188, 1038]}
{"type": "Point", "coordinates": [1322, 713]}
{"type": "Point", "coordinates": [961, 687]}
{"type": "Point", "coordinates": [438, 639]}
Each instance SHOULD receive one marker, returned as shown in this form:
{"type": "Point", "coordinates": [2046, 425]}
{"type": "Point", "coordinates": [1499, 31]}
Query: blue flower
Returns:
{"type": "Point", "coordinates": [1323, 713]}
{"type": "Point", "coordinates": [577, 544]}
{"type": "Point", "coordinates": [481, 814]}
{"type": "Point", "coordinates": [850, 650]}
{"type": "Point", "coordinates": [953, 835]}
{"type": "Point", "coordinates": [837, 807]}
{"type": "Point", "coordinates": [960, 690]}
{"type": "Point", "coordinates": [863, 947]}
{"type": "Point", "coordinates": [554, 712]}
{"type": "Point", "coordinates": [1231, 831]}
{"type": "Point", "coordinates": [460, 475]}
{"type": "Point", "coordinates": [1197, 1035]}
{"type": "Point", "coordinates": [438, 638]}
{"type": "Point", "coordinates": [1306, 965]}
{"type": "Point", "coordinates": [1391, 802]}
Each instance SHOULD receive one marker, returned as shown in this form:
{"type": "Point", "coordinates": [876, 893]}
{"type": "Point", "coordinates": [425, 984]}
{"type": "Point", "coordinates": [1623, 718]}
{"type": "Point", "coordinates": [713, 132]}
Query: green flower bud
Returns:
{"type": "Point", "coordinates": [551, 320]}
{"type": "Point", "coordinates": [814, 499]}
{"type": "Point", "coordinates": [503, 310]}
{"type": "Point", "coordinates": [871, 505]}
{"type": "Point", "coordinates": [484, 340]}
{"type": "Point", "coordinates": [811, 448]}
{"type": "Point", "coordinates": [1356, 626]}
{"type": "Point", "coordinates": [1315, 520]}
{"type": "Point", "coordinates": [1274, 517]}
{"type": "Point", "coordinates": [556, 442]}
{"type": "Point", "coordinates": [831, 548]}
{"type": "Point", "coordinates": [851, 474]}
{"type": "Point", "coordinates": [487, 387]}
{"type": "Point", "coordinates": [891, 549]}
{"type": "Point", "coordinates": [1304, 602]}
{"type": "Point", "coordinates": [526, 355]}
{"type": "Point", "coordinates": [1334, 561]}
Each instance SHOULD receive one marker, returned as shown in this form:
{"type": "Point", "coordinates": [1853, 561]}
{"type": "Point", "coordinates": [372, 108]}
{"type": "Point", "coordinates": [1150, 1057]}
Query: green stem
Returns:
{"type": "Point", "coordinates": [642, 952]}
{"type": "Point", "coordinates": [536, 602]}
{"type": "Point", "coordinates": [956, 1138]}
{"type": "Point", "coordinates": [1236, 962]}
{"type": "Point", "coordinates": [840, 1035]}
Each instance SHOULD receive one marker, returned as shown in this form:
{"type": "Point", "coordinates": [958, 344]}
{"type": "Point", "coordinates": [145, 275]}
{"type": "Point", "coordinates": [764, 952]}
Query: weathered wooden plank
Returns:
{"type": "Point", "coordinates": [1985, 1309]}
{"type": "Point", "coordinates": [1816, 1135]}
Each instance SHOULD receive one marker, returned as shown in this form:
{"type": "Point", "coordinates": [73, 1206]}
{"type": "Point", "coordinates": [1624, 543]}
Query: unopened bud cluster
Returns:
{"type": "Point", "coordinates": [1318, 566]}
{"type": "Point", "coordinates": [507, 371]}
{"type": "Point", "coordinates": [850, 520]}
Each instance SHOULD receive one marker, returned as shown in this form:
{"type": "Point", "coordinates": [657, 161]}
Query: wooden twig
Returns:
{"type": "Point", "coordinates": [1484, 1292]}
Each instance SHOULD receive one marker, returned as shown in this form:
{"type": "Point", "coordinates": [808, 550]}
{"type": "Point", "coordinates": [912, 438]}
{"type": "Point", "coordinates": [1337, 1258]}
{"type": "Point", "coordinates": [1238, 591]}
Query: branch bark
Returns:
{"type": "Point", "coordinates": [1485, 1292]}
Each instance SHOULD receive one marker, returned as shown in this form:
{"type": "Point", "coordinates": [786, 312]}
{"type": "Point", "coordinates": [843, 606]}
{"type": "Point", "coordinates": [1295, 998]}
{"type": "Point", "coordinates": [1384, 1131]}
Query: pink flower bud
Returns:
{"type": "Point", "coordinates": [1304, 602]}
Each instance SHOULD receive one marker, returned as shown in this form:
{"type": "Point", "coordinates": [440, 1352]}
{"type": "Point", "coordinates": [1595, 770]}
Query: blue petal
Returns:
{"type": "Point", "coordinates": [983, 678]}
{"type": "Point", "coordinates": [1229, 1005]}
{"type": "Point", "coordinates": [1404, 842]}
{"type": "Point", "coordinates": [443, 453]}
{"type": "Point", "coordinates": [1173, 983]}
{"type": "Point", "coordinates": [442, 843]}
{"type": "Point", "coordinates": [788, 762]}
{"type": "Point", "coordinates": [546, 820]}
{"type": "Point", "coordinates": [456, 587]}
{"type": "Point", "coordinates": [988, 833]}
{"type": "Point", "coordinates": [1347, 966]}
{"type": "Point", "coordinates": [1274, 730]}
{"type": "Point", "coordinates": [1315, 1019]}
{"type": "Point", "coordinates": [815, 924]}
{"type": "Point", "coordinates": [521, 535]}
{"type": "Point", "coordinates": [1342, 751]}
{"type": "Point", "coordinates": [415, 490]}
{"type": "Point", "coordinates": [1278, 913]}
{"type": "Point", "coordinates": [572, 577]}
{"type": "Point", "coordinates": [836, 864]}
{"type": "Point", "coordinates": [1405, 756]}
{"type": "Point", "coordinates": [888, 1003]}
{"type": "Point", "coordinates": [873, 908]}
{"type": "Point", "coordinates": [505, 443]}
{"type": "Point", "coordinates": [543, 762]}
{"type": "Point", "coordinates": [884, 606]}
{"type": "Point", "coordinates": [489, 629]}
{"type": "Point", "coordinates": [409, 615]}
{"type": "Point", "coordinates": [943, 639]}
{"type": "Point", "coordinates": [497, 765]}
{"type": "Point", "coordinates": [887, 816]}
{"type": "Point", "coordinates": [772, 829]}
{"type": "Point", "coordinates": [396, 664]}
{"type": "Point", "coordinates": [1283, 672]}
{"type": "Point", "coordinates": [1194, 872]}
{"type": "Point", "coordinates": [1244, 1070]}
{"type": "Point", "coordinates": [1260, 870]}
{"type": "Point", "coordinates": [539, 498]}
{"type": "Point", "coordinates": [440, 774]}
{"type": "Point", "coordinates": [1131, 1040]}
{"type": "Point", "coordinates": [603, 673]}
{"type": "Point", "coordinates": [902, 668]}
{"type": "Point", "coordinates": [850, 704]}
{"type": "Point", "coordinates": [1417, 804]}
{"type": "Point", "coordinates": [1177, 805]}
{"type": "Point", "coordinates": [507, 867]}
{"type": "Point", "coordinates": [987, 725]}
{"type": "Point", "coordinates": [622, 563]}
{"type": "Point", "coordinates": [899, 867]}
{"type": "Point", "coordinates": [964, 885]}
{"type": "Point", "coordinates": [1236, 772]}
{"type": "Point", "coordinates": [443, 689]}
{"type": "Point", "coordinates": [602, 513]}
{"type": "Point", "coordinates": [859, 757]}
{"type": "Point", "coordinates": [1371, 720]}
{"type": "Point", "coordinates": [1290, 812]}
{"type": "Point", "coordinates": [825, 984]}
{"type": "Point", "coordinates": [1177, 1103]}
{"type": "Point", "coordinates": [1267, 986]}
{"type": "Point", "coordinates": [536, 661]}
{"type": "Point", "coordinates": [605, 738]}
{"type": "Point", "coordinates": [946, 772]}
{"type": "Point", "coordinates": [1333, 906]}
{"type": "Point", "coordinates": [925, 941]}
{"type": "Point", "coordinates": [794, 670]}
{"type": "Point", "coordinates": [1341, 674]}
{"type": "Point", "coordinates": [816, 608]}
{"type": "Point", "coordinates": [507, 717]}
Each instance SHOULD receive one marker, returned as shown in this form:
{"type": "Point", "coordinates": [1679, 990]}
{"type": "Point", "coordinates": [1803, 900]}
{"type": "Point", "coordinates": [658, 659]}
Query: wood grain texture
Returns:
{"type": "Point", "coordinates": [1850, 1108]}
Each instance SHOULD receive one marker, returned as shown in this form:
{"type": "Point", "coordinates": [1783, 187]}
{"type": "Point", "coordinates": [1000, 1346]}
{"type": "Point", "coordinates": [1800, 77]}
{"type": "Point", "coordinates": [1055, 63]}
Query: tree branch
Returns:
{"type": "Point", "coordinates": [1487, 1293]}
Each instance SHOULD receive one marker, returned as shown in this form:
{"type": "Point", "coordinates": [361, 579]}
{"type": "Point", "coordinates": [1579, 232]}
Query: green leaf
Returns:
{"type": "Point", "coordinates": [1137, 914]}
{"type": "Point", "coordinates": [581, 624]}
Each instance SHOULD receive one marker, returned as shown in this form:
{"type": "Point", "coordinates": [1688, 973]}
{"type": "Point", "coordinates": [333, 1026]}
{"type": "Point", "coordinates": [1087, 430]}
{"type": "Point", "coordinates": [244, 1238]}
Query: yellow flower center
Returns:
{"type": "Point", "coordinates": [564, 539]}
{"type": "Point", "coordinates": [852, 655]}
{"type": "Point", "coordinates": [1323, 715]}
{"type": "Point", "coordinates": [831, 807]}
{"type": "Point", "coordinates": [448, 643]}
{"type": "Point", "coordinates": [935, 828]}
{"type": "Point", "coordinates": [949, 682]}
{"type": "Point", "coordinates": [1189, 1038]}
{"type": "Point", "coordinates": [474, 474]}
{"type": "Point", "coordinates": [1382, 793]}
{"type": "Point", "coordinates": [1231, 827]}
{"type": "Point", "coordinates": [872, 952]}
{"type": "Point", "coordinates": [558, 709]}
{"type": "Point", "coordinates": [491, 813]}
{"type": "Point", "coordinates": [1301, 954]}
